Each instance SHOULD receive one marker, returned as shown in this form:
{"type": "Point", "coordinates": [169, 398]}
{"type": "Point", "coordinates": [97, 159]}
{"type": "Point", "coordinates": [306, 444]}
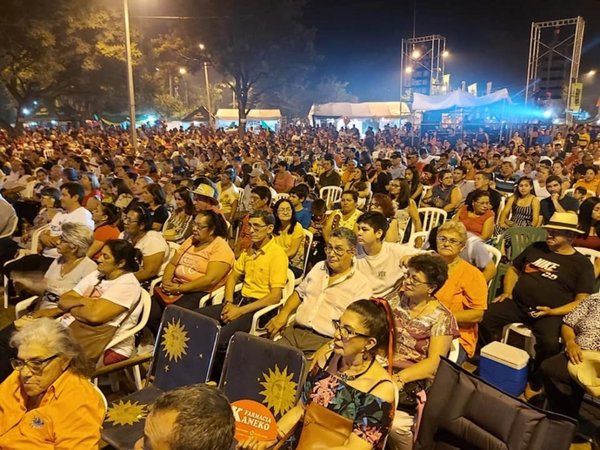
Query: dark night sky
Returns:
{"type": "Point", "coordinates": [488, 41]}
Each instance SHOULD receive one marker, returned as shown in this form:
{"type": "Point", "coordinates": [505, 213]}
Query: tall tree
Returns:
{"type": "Point", "coordinates": [258, 45]}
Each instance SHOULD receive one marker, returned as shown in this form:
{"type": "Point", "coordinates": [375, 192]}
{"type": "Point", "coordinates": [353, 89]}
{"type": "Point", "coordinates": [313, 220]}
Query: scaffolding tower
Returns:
{"type": "Point", "coordinates": [553, 68]}
{"type": "Point", "coordinates": [422, 66]}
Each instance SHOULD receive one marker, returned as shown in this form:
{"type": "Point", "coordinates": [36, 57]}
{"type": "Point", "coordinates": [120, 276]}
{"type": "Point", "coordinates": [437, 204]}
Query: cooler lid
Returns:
{"type": "Point", "coordinates": [505, 354]}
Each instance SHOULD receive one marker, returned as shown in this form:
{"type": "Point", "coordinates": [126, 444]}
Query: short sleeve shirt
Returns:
{"type": "Point", "coordinates": [264, 269]}
{"type": "Point", "coordinates": [193, 264]}
{"type": "Point", "coordinates": [585, 320]}
{"type": "Point", "coordinates": [549, 279]}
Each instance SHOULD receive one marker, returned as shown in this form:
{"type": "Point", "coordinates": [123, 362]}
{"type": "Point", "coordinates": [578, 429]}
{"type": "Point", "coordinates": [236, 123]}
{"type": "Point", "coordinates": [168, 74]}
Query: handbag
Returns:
{"type": "Point", "coordinates": [323, 429]}
{"type": "Point", "coordinates": [165, 297]}
{"type": "Point", "coordinates": [408, 397]}
{"type": "Point", "coordinates": [92, 338]}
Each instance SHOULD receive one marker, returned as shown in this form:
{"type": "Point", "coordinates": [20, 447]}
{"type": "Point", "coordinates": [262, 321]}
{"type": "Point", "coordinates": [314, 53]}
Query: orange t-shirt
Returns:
{"type": "Point", "coordinates": [465, 289]}
{"type": "Point", "coordinates": [70, 415]}
{"type": "Point", "coordinates": [473, 224]}
{"type": "Point", "coordinates": [193, 264]}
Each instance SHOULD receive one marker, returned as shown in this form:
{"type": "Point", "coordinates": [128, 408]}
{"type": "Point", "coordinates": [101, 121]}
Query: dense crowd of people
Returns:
{"type": "Point", "coordinates": [88, 220]}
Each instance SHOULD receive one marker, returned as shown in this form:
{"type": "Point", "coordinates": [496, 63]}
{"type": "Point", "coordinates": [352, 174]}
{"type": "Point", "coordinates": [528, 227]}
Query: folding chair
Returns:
{"type": "Point", "coordinates": [183, 355]}
{"type": "Point", "coordinates": [262, 370]}
{"type": "Point", "coordinates": [463, 411]}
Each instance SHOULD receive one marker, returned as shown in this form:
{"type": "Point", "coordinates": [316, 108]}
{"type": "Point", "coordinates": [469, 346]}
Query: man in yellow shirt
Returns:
{"type": "Point", "coordinates": [264, 266]}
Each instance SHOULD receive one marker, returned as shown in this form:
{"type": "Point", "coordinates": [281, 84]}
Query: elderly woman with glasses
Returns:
{"type": "Point", "coordinates": [424, 332]}
{"type": "Point", "coordinates": [47, 401]}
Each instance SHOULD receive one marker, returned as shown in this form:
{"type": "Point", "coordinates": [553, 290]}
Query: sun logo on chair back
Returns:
{"type": "Point", "coordinates": [174, 341]}
{"type": "Point", "coordinates": [280, 390]}
{"type": "Point", "coordinates": [126, 413]}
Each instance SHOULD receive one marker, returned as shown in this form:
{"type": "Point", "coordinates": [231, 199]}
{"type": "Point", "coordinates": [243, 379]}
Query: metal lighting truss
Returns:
{"type": "Point", "coordinates": [554, 58]}
{"type": "Point", "coordinates": [424, 59]}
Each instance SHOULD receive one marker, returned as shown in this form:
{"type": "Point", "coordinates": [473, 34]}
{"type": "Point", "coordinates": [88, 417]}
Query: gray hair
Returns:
{"type": "Point", "coordinates": [453, 226]}
{"type": "Point", "coordinates": [345, 233]}
{"type": "Point", "coordinates": [52, 335]}
{"type": "Point", "coordinates": [204, 420]}
{"type": "Point", "coordinates": [78, 235]}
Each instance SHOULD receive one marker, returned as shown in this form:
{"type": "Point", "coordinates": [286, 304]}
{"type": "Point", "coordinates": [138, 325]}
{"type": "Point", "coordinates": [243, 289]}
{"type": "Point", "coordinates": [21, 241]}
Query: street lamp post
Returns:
{"type": "Point", "coordinates": [130, 87]}
{"type": "Point", "coordinates": [207, 84]}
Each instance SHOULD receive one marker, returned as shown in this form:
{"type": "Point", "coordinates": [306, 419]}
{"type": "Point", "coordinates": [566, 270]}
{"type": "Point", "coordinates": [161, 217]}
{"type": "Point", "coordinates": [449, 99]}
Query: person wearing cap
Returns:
{"type": "Point", "coordinates": [545, 282]}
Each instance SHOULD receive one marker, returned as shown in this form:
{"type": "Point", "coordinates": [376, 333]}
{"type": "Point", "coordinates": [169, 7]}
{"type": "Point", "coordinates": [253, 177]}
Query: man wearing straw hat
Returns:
{"type": "Point", "coordinates": [545, 282]}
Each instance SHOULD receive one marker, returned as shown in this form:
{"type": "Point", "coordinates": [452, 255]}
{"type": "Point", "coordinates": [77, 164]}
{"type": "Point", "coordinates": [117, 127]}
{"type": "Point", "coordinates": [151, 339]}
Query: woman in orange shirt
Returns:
{"type": "Point", "coordinates": [478, 217]}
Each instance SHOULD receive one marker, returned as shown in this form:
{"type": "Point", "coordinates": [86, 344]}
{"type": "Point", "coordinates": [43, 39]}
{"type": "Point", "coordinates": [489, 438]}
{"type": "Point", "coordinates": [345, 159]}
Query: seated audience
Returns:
{"type": "Point", "coordinates": [406, 209]}
{"type": "Point", "coordinates": [545, 282]}
{"type": "Point", "coordinates": [579, 333]}
{"type": "Point", "coordinates": [344, 217]}
{"type": "Point", "coordinates": [425, 329]}
{"type": "Point", "coordinates": [477, 217]}
{"type": "Point", "coordinates": [154, 248]}
{"type": "Point", "coordinates": [465, 292]}
{"type": "Point", "coordinates": [106, 217]}
{"type": "Point", "coordinates": [153, 196]}
{"type": "Point", "coordinates": [322, 296]}
{"type": "Point", "coordinates": [264, 267]}
{"type": "Point", "coordinates": [383, 204]}
{"type": "Point", "coordinates": [289, 235]}
{"type": "Point", "coordinates": [199, 266]}
{"type": "Point", "coordinates": [178, 226]}
{"type": "Point", "coordinates": [443, 194]}
{"type": "Point", "coordinates": [380, 262]}
{"type": "Point", "coordinates": [557, 201]}
{"type": "Point", "coordinates": [298, 195]}
{"type": "Point", "coordinates": [48, 401]}
{"type": "Point", "coordinates": [346, 378]}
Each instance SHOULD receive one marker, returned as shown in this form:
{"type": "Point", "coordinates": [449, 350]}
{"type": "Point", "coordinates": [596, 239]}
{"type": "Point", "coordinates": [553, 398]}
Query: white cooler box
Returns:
{"type": "Point", "coordinates": [504, 367]}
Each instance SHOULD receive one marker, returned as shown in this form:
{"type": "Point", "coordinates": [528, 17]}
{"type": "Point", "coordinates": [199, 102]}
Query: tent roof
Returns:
{"type": "Point", "coordinates": [458, 99]}
{"type": "Point", "coordinates": [359, 110]}
{"type": "Point", "coordinates": [49, 111]}
{"type": "Point", "coordinates": [254, 114]}
{"type": "Point", "coordinates": [200, 114]}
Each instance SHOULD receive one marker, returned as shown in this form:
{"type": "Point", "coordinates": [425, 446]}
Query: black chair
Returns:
{"type": "Point", "coordinates": [465, 412]}
{"type": "Point", "coordinates": [183, 354]}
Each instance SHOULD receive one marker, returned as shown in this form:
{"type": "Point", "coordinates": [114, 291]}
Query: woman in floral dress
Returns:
{"type": "Point", "coordinates": [346, 379]}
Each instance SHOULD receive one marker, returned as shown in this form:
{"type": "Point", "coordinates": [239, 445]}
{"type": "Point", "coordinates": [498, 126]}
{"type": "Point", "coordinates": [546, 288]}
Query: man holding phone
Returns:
{"type": "Point", "coordinates": [545, 282]}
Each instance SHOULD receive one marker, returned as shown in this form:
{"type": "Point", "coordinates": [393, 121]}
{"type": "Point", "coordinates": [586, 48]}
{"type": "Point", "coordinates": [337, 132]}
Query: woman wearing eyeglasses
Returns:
{"type": "Point", "coordinates": [478, 217]}
{"type": "Point", "coordinates": [47, 401]}
{"type": "Point", "coordinates": [289, 235]}
{"type": "Point", "coordinates": [345, 385]}
{"type": "Point", "coordinates": [200, 265]}
{"type": "Point", "coordinates": [424, 332]}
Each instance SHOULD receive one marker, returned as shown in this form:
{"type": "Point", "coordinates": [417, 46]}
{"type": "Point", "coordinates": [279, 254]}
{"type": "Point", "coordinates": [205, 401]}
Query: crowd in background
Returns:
{"type": "Point", "coordinates": [201, 210]}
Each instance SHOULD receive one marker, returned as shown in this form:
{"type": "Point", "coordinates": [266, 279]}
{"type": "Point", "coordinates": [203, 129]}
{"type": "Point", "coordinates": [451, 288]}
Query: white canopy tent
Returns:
{"type": "Point", "coordinates": [256, 118]}
{"type": "Point", "coordinates": [361, 115]}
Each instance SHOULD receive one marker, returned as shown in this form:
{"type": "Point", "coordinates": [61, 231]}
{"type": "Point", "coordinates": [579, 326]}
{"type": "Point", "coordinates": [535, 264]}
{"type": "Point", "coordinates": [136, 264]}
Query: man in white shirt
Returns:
{"type": "Point", "coordinates": [379, 261]}
{"type": "Point", "coordinates": [322, 296]}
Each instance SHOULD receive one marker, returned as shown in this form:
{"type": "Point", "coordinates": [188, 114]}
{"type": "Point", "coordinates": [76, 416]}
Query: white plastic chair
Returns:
{"type": "Point", "coordinates": [454, 350]}
{"type": "Point", "coordinates": [287, 291]}
{"type": "Point", "coordinates": [331, 195]}
{"type": "Point", "coordinates": [23, 305]}
{"type": "Point", "coordinates": [495, 253]}
{"type": "Point", "coordinates": [308, 238]}
{"type": "Point", "coordinates": [280, 196]}
{"type": "Point", "coordinates": [593, 255]}
{"type": "Point", "coordinates": [12, 229]}
{"type": "Point", "coordinates": [412, 241]}
{"type": "Point", "coordinates": [432, 217]}
{"type": "Point", "coordinates": [424, 192]}
{"type": "Point", "coordinates": [524, 331]}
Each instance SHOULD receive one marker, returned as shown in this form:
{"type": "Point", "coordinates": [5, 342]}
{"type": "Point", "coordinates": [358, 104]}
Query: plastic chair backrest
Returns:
{"type": "Point", "coordinates": [432, 217]}
{"type": "Point", "coordinates": [144, 305]}
{"type": "Point", "coordinates": [185, 348]}
{"type": "Point", "coordinates": [495, 253]}
{"type": "Point", "coordinates": [262, 370]}
{"type": "Point", "coordinates": [331, 195]}
{"type": "Point", "coordinates": [308, 238]}
{"type": "Point", "coordinates": [523, 237]}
